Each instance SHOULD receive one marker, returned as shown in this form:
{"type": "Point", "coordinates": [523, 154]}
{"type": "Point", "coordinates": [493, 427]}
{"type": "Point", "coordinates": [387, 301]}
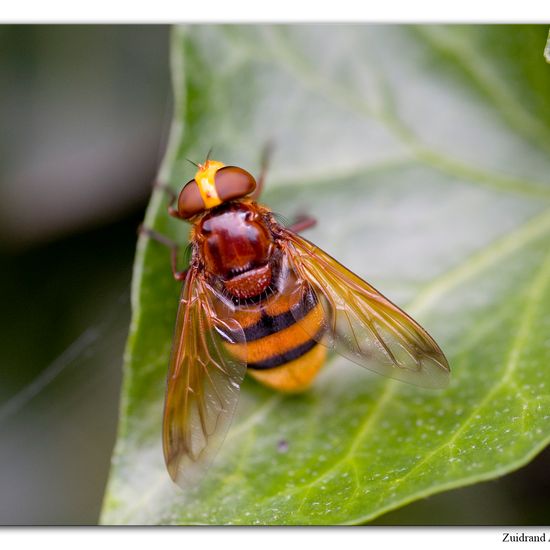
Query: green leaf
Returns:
{"type": "Point", "coordinates": [423, 152]}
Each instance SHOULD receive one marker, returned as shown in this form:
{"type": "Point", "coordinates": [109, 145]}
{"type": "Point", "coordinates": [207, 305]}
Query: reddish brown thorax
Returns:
{"type": "Point", "coordinates": [237, 246]}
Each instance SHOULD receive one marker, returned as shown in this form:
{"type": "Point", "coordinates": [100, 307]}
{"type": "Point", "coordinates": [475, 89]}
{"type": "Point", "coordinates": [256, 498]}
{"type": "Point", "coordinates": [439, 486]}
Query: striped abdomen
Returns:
{"type": "Point", "coordinates": [280, 350]}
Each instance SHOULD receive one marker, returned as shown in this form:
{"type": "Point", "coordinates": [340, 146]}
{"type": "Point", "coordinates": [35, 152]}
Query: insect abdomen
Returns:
{"type": "Point", "coordinates": [279, 350]}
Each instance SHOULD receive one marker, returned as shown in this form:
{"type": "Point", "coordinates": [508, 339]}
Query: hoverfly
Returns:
{"type": "Point", "coordinates": [258, 298]}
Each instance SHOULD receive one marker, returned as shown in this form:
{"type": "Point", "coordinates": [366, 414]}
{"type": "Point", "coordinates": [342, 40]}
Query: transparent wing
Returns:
{"type": "Point", "coordinates": [361, 324]}
{"type": "Point", "coordinates": [203, 381]}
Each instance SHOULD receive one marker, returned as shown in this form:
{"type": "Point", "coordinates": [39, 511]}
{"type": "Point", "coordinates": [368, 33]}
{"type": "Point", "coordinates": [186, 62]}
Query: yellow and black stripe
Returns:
{"type": "Point", "coordinates": [278, 348]}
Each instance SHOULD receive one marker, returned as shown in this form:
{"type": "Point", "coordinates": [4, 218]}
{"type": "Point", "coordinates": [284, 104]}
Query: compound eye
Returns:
{"type": "Point", "coordinates": [233, 182]}
{"type": "Point", "coordinates": [190, 201]}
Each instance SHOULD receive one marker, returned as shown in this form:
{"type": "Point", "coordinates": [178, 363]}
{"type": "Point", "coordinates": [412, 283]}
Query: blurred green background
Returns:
{"type": "Point", "coordinates": [85, 113]}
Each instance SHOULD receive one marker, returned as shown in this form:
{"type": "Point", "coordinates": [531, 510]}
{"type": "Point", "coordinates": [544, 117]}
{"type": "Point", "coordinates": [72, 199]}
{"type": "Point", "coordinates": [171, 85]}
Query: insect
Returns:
{"type": "Point", "coordinates": [260, 299]}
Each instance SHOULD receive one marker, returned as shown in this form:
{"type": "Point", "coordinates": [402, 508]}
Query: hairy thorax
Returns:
{"type": "Point", "coordinates": [237, 247]}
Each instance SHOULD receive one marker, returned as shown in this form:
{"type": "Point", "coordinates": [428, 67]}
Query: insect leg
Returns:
{"type": "Point", "coordinates": [171, 195]}
{"type": "Point", "coordinates": [303, 222]}
{"type": "Point", "coordinates": [266, 157]}
{"type": "Point", "coordinates": [174, 248]}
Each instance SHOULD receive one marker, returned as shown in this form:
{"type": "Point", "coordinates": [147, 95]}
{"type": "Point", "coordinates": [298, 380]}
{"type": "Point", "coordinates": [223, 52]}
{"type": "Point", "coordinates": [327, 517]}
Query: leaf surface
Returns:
{"type": "Point", "coordinates": [424, 154]}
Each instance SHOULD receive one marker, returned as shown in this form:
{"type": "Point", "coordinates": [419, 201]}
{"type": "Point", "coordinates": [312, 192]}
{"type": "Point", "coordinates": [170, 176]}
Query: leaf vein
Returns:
{"type": "Point", "coordinates": [541, 280]}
